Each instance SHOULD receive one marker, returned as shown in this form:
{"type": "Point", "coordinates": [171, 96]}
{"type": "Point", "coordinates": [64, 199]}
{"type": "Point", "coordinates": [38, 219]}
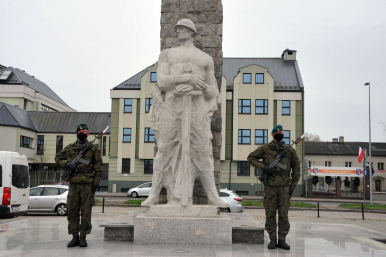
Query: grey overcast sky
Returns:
{"type": "Point", "coordinates": [82, 49]}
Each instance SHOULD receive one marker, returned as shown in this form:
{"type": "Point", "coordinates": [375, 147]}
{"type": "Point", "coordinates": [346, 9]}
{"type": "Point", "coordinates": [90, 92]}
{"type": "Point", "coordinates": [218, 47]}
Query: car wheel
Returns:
{"type": "Point", "coordinates": [225, 210]}
{"type": "Point", "coordinates": [134, 194]}
{"type": "Point", "coordinates": [61, 210]}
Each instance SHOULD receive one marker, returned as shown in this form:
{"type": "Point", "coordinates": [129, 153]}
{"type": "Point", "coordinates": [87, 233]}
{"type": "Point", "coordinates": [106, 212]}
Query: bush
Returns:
{"type": "Point", "coordinates": [328, 180]}
{"type": "Point", "coordinates": [356, 182]}
{"type": "Point", "coordinates": [346, 182]}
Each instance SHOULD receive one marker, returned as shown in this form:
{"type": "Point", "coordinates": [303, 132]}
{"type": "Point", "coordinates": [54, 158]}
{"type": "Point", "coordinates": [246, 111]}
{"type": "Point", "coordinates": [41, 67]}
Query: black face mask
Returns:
{"type": "Point", "coordinates": [81, 136]}
{"type": "Point", "coordinates": [278, 137]}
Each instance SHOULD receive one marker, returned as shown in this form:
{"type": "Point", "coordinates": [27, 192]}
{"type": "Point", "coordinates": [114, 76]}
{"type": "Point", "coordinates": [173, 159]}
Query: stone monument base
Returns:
{"type": "Point", "coordinates": [197, 211]}
{"type": "Point", "coordinates": [182, 230]}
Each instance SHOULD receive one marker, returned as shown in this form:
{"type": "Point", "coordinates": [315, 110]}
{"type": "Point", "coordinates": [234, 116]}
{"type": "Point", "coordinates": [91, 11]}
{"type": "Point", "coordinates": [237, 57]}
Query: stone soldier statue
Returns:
{"type": "Point", "coordinates": [279, 188]}
{"type": "Point", "coordinates": [83, 184]}
{"type": "Point", "coordinates": [183, 70]}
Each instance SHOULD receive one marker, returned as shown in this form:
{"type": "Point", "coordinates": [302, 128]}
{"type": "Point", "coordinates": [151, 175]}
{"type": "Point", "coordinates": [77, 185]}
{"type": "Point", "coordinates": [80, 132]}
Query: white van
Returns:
{"type": "Point", "coordinates": [14, 184]}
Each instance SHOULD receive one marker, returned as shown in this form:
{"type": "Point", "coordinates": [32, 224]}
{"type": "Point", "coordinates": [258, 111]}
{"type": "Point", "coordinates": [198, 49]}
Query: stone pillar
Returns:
{"type": "Point", "coordinates": [309, 188]}
{"type": "Point", "coordinates": [338, 188]}
{"type": "Point", "coordinates": [208, 18]}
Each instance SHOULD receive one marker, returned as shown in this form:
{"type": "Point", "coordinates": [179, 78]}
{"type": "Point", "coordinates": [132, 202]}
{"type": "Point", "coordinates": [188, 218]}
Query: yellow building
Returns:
{"type": "Point", "coordinates": [256, 93]}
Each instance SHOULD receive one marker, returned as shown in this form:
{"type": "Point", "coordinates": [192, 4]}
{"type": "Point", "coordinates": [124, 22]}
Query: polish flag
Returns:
{"type": "Point", "coordinates": [361, 155]}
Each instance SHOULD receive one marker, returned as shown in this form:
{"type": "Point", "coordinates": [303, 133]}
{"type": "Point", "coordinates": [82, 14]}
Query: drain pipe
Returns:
{"type": "Point", "coordinates": [230, 163]}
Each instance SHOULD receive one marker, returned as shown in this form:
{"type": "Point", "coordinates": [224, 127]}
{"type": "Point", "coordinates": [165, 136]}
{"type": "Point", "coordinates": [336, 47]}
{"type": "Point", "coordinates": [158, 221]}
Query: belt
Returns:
{"type": "Point", "coordinates": [283, 172]}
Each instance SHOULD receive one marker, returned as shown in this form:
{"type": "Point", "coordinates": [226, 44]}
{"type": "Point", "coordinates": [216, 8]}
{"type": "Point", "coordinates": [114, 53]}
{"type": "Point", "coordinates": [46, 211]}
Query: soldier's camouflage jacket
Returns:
{"type": "Point", "coordinates": [88, 173]}
{"type": "Point", "coordinates": [268, 153]}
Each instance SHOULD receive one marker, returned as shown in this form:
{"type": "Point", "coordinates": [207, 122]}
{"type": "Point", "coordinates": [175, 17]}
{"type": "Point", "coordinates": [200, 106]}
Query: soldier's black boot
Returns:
{"type": "Point", "coordinates": [272, 244]}
{"type": "Point", "coordinates": [83, 241]}
{"type": "Point", "coordinates": [283, 245]}
{"type": "Point", "coordinates": [74, 241]}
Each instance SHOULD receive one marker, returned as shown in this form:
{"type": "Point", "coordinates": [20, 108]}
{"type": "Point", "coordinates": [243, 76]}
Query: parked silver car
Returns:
{"type": "Point", "coordinates": [49, 198]}
{"type": "Point", "coordinates": [233, 199]}
{"type": "Point", "coordinates": [141, 190]}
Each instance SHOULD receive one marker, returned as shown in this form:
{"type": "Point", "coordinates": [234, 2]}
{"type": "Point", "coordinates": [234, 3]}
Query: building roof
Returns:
{"type": "Point", "coordinates": [53, 122]}
{"type": "Point", "coordinates": [343, 148]}
{"type": "Point", "coordinates": [286, 74]}
{"type": "Point", "coordinates": [66, 122]}
{"type": "Point", "coordinates": [18, 76]}
{"type": "Point", "coordinates": [15, 117]}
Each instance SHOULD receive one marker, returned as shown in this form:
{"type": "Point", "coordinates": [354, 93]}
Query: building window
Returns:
{"type": "Point", "coordinates": [261, 107]}
{"type": "Point", "coordinates": [45, 108]}
{"type": "Point", "coordinates": [40, 145]}
{"type": "Point", "coordinates": [244, 106]}
{"type": "Point", "coordinates": [259, 78]}
{"type": "Point", "coordinates": [148, 166]}
{"type": "Point", "coordinates": [127, 135]}
{"type": "Point", "coordinates": [327, 164]}
{"type": "Point", "coordinates": [25, 104]}
{"type": "Point", "coordinates": [59, 144]}
{"type": "Point", "coordinates": [261, 136]}
{"type": "Point", "coordinates": [149, 135]}
{"type": "Point", "coordinates": [244, 136]}
{"type": "Point", "coordinates": [321, 182]}
{"type": "Point", "coordinates": [148, 103]}
{"type": "Point", "coordinates": [348, 164]}
{"type": "Point", "coordinates": [381, 166]}
{"type": "Point", "coordinates": [153, 76]}
{"type": "Point", "coordinates": [25, 141]}
{"type": "Point", "coordinates": [128, 105]}
{"type": "Point", "coordinates": [104, 146]}
{"type": "Point", "coordinates": [247, 78]}
{"type": "Point", "coordinates": [286, 107]}
{"type": "Point", "coordinates": [126, 165]}
{"type": "Point", "coordinates": [243, 169]}
{"type": "Point", "coordinates": [287, 136]}
{"type": "Point", "coordinates": [258, 172]}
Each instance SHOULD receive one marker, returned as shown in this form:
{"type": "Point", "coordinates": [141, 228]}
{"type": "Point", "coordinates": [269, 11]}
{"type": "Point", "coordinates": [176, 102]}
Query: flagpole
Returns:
{"type": "Point", "coordinates": [364, 178]}
{"type": "Point", "coordinates": [370, 165]}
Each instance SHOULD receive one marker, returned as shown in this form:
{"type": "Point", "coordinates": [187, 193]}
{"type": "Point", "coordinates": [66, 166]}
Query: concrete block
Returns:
{"type": "Point", "coordinates": [119, 233]}
{"type": "Point", "coordinates": [195, 211]}
{"type": "Point", "coordinates": [182, 231]}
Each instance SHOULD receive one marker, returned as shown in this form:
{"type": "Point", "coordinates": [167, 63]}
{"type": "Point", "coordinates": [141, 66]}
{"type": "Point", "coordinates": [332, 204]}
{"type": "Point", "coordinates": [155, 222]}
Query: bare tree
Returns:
{"type": "Point", "coordinates": [311, 137]}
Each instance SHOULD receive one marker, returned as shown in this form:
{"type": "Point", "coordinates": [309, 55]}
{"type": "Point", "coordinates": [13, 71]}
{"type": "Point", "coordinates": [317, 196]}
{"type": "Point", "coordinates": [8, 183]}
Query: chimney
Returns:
{"type": "Point", "coordinates": [335, 140]}
{"type": "Point", "coordinates": [341, 139]}
{"type": "Point", "coordinates": [289, 55]}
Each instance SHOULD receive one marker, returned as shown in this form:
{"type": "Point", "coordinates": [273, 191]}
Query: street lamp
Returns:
{"type": "Point", "coordinates": [370, 165]}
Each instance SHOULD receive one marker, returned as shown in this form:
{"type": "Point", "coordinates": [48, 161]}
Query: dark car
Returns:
{"type": "Point", "coordinates": [322, 191]}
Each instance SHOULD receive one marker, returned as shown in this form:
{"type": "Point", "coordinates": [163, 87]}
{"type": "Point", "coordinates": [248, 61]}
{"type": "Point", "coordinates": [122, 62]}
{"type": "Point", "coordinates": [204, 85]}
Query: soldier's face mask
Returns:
{"type": "Point", "coordinates": [81, 136]}
{"type": "Point", "coordinates": [278, 137]}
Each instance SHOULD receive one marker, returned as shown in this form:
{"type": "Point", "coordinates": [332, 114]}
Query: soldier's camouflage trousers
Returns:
{"type": "Point", "coordinates": [276, 199]}
{"type": "Point", "coordinates": [79, 204]}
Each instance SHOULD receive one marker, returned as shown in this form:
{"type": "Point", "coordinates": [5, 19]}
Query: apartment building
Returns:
{"type": "Point", "coordinates": [256, 94]}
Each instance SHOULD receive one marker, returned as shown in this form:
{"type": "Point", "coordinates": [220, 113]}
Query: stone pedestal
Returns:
{"type": "Point", "coordinates": [195, 211]}
{"type": "Point", "coordinates": [182, 230]}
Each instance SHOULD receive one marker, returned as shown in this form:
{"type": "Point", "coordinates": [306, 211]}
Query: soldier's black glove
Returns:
{"type": "Point", "coordinates": [270, 171]}
{"type": "Point", "coordinates": [94, 188]}
{"type": "Point", "coordinates": [291, 191]}
{"type": "Point", "coordinates": [71, 166]}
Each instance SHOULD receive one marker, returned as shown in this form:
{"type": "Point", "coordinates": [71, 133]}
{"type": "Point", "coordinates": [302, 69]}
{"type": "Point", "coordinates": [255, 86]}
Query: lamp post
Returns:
{"type": "Point", "coordinates": [370, 165]}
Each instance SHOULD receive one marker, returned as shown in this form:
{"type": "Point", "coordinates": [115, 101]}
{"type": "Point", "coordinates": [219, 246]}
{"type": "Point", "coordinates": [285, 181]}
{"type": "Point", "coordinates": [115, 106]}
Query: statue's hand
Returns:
{"type": "Point", "coordinates": [193, 79]}
{"type": "Point", "coordinates": [184, 88]}
{"type": "Point", "coordinates": [201, 85]}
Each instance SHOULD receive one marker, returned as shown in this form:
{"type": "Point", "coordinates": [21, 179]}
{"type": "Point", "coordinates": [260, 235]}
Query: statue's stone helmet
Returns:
{"type": "Point", "coordinates": [186, 23]}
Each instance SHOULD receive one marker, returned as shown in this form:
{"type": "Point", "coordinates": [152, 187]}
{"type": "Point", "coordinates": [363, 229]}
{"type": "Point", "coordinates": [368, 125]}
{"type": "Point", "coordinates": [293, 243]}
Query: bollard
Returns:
{"type": "Point", "coordinates": [103, 205]}
{"type": "Point", "coordinates": [363, 211]}
{"type": "Point", "coordinates": [318, 210]}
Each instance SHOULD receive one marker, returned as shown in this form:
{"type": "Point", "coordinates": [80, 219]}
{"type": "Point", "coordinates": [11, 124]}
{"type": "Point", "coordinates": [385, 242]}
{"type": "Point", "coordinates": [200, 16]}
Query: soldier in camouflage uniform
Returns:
{"type": "Point", "coordinates": [82, 185]}
{"type": "Point", "coordinates": [279, 188]}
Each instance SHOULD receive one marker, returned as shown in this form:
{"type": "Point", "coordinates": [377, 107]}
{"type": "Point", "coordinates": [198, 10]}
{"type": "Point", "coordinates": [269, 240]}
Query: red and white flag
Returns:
{"type": "Point", "coordinates": [361, 155]}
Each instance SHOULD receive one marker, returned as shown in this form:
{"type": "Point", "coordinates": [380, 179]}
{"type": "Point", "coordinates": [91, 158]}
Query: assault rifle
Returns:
{"type": "Point", "coordinates": [67, 173]}
{"type": "Point", "coordinates": [276, 162]}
